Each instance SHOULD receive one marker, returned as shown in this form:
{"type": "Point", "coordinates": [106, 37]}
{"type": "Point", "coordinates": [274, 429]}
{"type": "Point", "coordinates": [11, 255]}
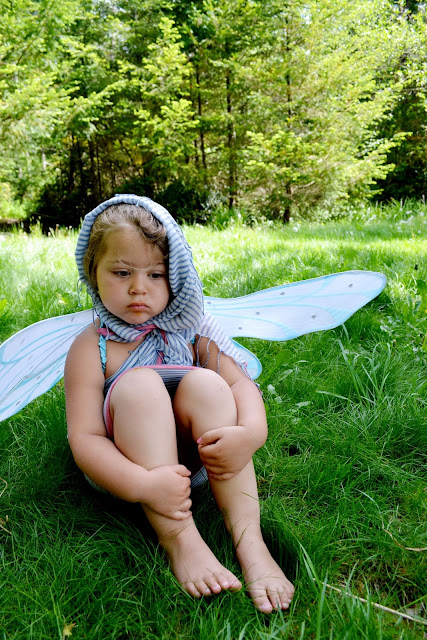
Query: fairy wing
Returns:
{"type": "Point", "coordinates": [32, 361]}
{"type": "Point", "coordinates": [291, 310]}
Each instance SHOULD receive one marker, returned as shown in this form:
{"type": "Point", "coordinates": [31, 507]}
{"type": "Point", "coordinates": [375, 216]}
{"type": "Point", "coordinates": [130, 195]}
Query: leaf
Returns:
{"type": "Point", "coordinates": [422, 291]}
{"type": "Point", "coordinates": [68, 630]}
{"type": "Point", "coordinates": [422, 288]}
{"type": "Point", "coordinates": [329, 393]}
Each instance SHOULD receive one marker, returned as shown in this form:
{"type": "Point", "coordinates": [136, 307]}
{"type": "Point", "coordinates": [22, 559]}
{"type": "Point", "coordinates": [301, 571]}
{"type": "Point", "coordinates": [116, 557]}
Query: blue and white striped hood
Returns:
{"type": "Point", "coordinates": [181, 318]}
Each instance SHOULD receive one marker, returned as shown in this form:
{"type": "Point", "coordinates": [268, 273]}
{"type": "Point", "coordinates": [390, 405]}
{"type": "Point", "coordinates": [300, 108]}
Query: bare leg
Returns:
{"type": "Point", "coordinates": [237, 498]}
{"type": "Point", "coordinates": [265, 581]}
{"type": "Point", "coordinates": [145, 432]}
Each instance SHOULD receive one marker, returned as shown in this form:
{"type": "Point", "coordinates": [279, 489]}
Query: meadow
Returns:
{"type": "Point", "coordinates": [342, 477]}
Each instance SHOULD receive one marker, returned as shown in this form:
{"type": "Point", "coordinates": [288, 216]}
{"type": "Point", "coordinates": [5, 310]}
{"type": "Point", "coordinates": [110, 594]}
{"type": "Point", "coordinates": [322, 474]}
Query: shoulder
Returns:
{"type": "Point", "coordinates": [83, 355]}
{"type": "Point", "coordinates": [88, 338]}
{"type": "Point", "coordinates": [214, 350]}
{"type": "Point", "coordinates": [210, 356]}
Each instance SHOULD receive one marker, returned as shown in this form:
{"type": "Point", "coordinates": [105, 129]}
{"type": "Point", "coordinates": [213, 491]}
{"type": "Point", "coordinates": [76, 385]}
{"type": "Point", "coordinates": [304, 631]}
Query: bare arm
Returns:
{"type": "Point", "coordinates": [225, 451]}
{"type": "Point", "coordinates": [95, 454]}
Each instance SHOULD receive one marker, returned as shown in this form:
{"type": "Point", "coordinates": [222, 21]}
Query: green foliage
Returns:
{"type": "Point", "coordinates": [32, 102]}
{"type": "Point", "coordinates": [408, 179]}
{"type": "Point", "coordinates": [274, 107]}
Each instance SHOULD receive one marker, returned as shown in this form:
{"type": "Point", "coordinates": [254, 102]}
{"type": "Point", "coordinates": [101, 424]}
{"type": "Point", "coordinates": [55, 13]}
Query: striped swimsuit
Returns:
{"type": "Point", "coordinates": [170, 374]}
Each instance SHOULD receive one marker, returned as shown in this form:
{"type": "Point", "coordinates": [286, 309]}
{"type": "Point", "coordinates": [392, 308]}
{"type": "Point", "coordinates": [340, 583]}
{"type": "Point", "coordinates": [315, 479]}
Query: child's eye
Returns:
{"type": "Point", "coordinates": [121, 273]}
{"type": "Point", "coordinates": [157, 275]}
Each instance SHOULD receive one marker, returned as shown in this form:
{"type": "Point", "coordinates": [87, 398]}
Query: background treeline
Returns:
{"type": "Point", "coordinates": [270, 106]}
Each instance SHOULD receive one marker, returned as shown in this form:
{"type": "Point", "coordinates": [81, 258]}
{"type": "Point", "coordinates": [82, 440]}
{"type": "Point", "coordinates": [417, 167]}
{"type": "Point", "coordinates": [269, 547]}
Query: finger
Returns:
{"type": "Point", "coordinates": [209, 450]}
{"type": "Point", "coordinates": [211, 454]}
{"type": "Point", "coordinates": [186, 483]}
{"type": "Point", "coordinates": [180, 515]}
{"type": "Point", "coordinates": [212, 468]}
{"type": "Point", "coordinates": [181, 470]}
{"type": "Point", "coordinates": [209, 437]}
{"type": "Point", "coordinates": [220, 476]}
{"type": "Point", "coordinates": [217, 466]}
{"type": "Point", "coordinates": [186, 506]}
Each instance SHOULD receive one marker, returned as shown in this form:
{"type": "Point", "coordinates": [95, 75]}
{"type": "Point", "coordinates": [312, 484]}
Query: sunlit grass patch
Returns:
{"type": "Point", "coordinates": [341, 477]}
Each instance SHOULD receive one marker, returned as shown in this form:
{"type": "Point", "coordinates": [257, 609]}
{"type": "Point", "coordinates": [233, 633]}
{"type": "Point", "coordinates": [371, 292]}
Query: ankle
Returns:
{"type": "Point", "coordinates": [178, 536]}
{"type": "Point", "coordinates": [246, 536]}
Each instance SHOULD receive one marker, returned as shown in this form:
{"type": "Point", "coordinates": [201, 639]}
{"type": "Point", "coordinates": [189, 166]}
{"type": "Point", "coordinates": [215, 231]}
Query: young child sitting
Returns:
{"type": "Point", "coordinates": [158, 398]}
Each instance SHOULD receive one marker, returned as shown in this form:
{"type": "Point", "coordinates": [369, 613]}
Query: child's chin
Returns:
{"type": "Point", "coordinates": [137, 318]}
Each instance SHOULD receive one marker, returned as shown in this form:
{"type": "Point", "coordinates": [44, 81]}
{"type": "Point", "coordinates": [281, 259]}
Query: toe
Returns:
{"type": "Point", "coordinates": [275, 598]}
{"type": "Point", "coordinates": [264, 605]}
{"type": "Point", "coordinates": [286, 596]}
{"type": "Point", "coordinates": [234, 583]}
{"type": "Point", "coordinates": [280, 599]}
{"type": "Point", "coordinates": [261, 600]}
{"type": "Point", "coordinates": [284, 603]}
{"type": "Point", "coordinates": [191, 588]}
{"type": "Point", "coordinates": [227, 580]}
{"type": "Point", "coordinates": [213, 584]}
{"type": "Point", "coordinates": [203, 588]}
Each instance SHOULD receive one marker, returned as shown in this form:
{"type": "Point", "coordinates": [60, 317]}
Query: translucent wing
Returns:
{"type": "Point", "coordinates": [291, 310]}
{"type": "Point", "coordinates": [253, 365]}
{"type": "Point", "coordinates": [32, 360]}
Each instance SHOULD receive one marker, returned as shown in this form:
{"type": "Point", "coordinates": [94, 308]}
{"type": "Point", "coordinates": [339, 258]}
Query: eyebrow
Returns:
{"type": "Point", "coordinates": [132, 266]}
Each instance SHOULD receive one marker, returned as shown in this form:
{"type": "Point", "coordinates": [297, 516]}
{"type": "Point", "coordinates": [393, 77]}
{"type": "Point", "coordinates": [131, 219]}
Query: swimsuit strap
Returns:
{"type": "Point", "coordinates": [104, 332]}
{"type": "Point", "coordinates": [102, 344]}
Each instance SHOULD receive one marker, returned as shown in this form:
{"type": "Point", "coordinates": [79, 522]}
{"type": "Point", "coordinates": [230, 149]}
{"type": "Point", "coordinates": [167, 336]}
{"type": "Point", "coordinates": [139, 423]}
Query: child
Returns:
{"type": "Point", "coordinates": [158, 398]}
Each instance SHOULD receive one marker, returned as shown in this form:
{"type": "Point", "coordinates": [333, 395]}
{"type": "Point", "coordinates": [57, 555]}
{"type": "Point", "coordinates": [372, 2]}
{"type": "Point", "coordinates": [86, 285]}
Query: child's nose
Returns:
{"type": "Point", "coordinates": [138, 283]}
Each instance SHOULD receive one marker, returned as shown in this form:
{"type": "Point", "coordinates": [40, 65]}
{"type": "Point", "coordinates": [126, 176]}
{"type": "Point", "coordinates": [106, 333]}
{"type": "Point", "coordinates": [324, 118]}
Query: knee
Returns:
{"type": "Point", "coordinates": [204, 392]}
{"type": "Point", "coordinates": [137, 385]}
{"type": "Point", "coordinates": [206, 383]}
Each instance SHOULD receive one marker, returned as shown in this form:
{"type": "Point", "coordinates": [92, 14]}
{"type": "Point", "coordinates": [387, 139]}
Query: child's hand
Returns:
{"type": "Point", "coordinates": [168, 491]}
{"type": "Point", "coordinates": [225, 451]}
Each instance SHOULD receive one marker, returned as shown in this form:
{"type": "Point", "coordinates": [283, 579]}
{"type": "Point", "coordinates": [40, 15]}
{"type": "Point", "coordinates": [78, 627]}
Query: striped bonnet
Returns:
{"type": "Point", "coordinates": [178, 323]}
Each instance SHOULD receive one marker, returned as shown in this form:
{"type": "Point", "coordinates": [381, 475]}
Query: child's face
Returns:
{"type": "Point", "coordinates": [132, 277]}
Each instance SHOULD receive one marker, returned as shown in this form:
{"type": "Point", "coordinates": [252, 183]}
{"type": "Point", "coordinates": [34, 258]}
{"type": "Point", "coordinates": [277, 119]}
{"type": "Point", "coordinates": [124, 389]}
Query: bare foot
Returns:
{"type": "Point", "coordinates": [195, 566]}
{"type": "Point", "coordinates": [266, 583]}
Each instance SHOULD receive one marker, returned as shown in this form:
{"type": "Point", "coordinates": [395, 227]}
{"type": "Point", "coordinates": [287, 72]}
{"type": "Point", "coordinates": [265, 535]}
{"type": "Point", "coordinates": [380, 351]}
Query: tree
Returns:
{"type": "Point", "coordinates": [270, 105]}
{"type": "Point", "coordinates": [321, 102]}
{"type": "Point", "coordinates": [31, 103]}
{"type": "Point", "coordinates": [408, 179]}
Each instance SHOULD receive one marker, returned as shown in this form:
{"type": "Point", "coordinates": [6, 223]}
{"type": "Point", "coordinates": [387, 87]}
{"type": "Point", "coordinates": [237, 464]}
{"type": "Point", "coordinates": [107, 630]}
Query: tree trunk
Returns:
{"type": "Point", "coordinates": [231, 140]}
{"type": "Point", "coordinates": [200, 113]}
{"type": "Point", "coordinates": [93, 176]}
{"type": "Point", "coordinates": [288, 67]}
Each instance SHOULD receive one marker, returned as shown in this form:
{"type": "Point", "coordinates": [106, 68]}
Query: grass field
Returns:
{"type": "Point", "coordinates": [342, 478]}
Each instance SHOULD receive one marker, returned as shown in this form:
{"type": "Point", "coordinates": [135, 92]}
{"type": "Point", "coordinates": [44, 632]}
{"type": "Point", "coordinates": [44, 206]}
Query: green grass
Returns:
{"type": "Point", "coordinates": [341, 478]}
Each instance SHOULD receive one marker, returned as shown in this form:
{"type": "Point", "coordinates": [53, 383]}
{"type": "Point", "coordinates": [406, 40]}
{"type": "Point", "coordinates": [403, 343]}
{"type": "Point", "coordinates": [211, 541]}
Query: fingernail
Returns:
{"type": "Point", "coordinates": [199, 440]}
